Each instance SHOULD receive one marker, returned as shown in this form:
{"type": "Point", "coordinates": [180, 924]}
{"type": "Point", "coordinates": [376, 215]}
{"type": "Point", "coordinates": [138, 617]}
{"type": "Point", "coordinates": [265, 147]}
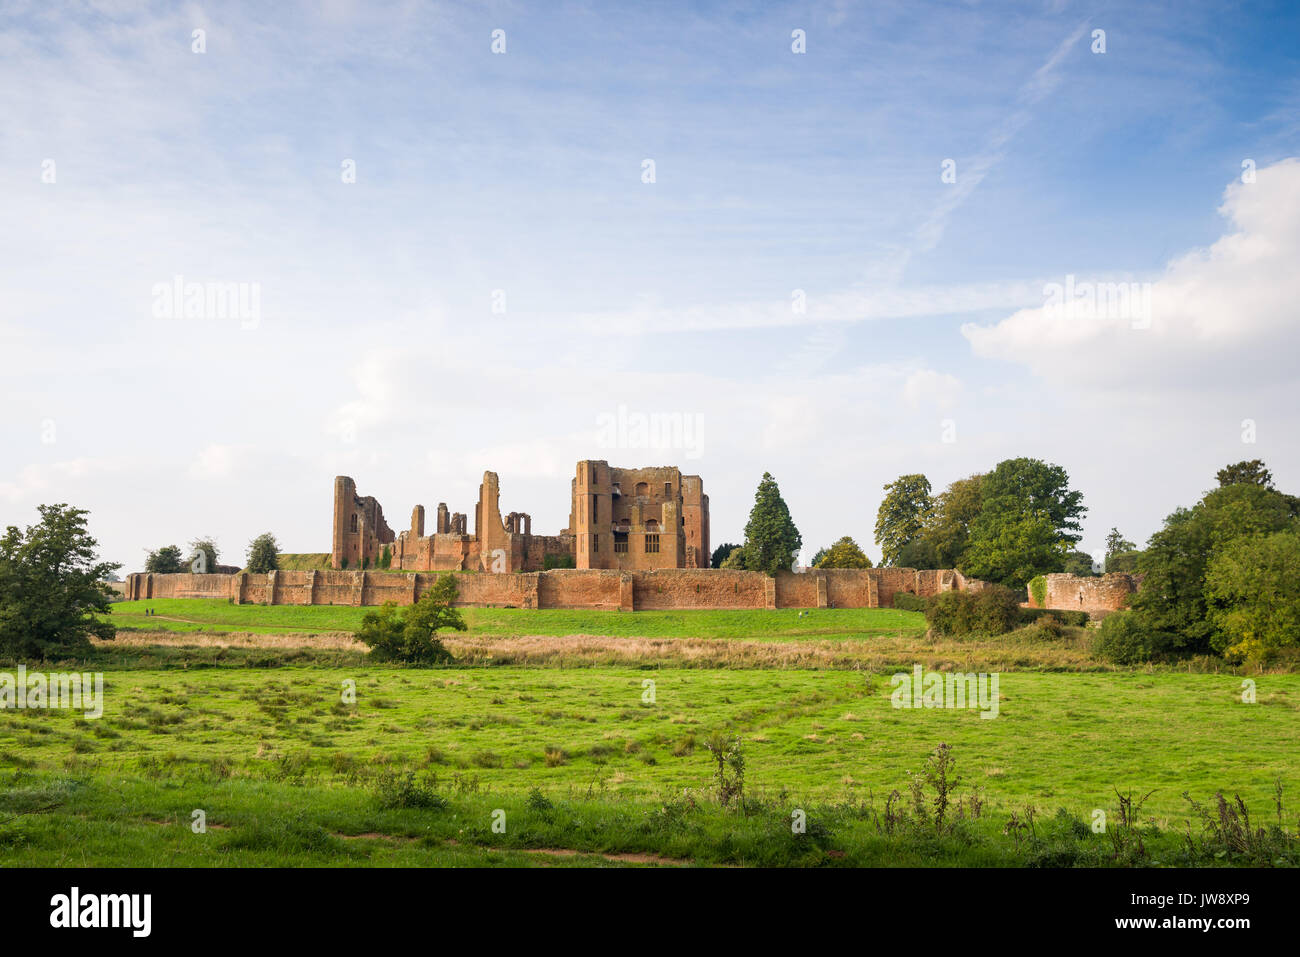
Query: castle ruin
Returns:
{"type": "Point", "coordinates": [628, 519]}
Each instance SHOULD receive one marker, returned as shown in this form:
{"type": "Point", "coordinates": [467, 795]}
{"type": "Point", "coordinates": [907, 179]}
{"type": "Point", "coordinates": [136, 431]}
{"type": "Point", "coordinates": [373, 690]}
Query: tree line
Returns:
{"type": "Point", "coordinates": [261, 556]}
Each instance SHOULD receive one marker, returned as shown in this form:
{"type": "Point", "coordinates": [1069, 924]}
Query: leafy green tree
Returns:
{"type": "Point", "coordinates": [1117, 543]}
{"type": "Point", "coordinates": [412, 636]}
{"type": "Point", "coordinates": [164, 561]}
{"type": "Point", "coordinates": [1123, 562]}
{"type": "Point", "coordinates": [720, 554]}
{"type": "Point", "coordinates": [1121, 554]}
{"type": "Point", "coordinates": [771, 539]}
{"type": "Point", "coordinates": [1078, 563]}
{"type": "Point", "coordinates": [263, 554]}
{"type": "Point", "coordinates": [947, 524]}
{"type": "Point", "coordinates": [52, 587]}
{"type": "Point", "coordinates": [845, 553]}
{"type": "Point", "coordinates": [735, 561]}
{"type": "Point", "coordinates": [210, 554]}
{"type": "Point", "coordinates": [920, 553]}
{"type": "Point", "coordinates": [1170, 608]}
{"type": "Point", "coordinates": [1245, 473]}
{"type": "Point", "coordinates": [818, 556]}
{"type": "Point", "coordinates": [898, 520]}
{"type": "Point", "coordinates": [1015, 549]}
{"type": "Point", "coordinates": [1029, 521]}
{"type": "Point", "coordinates": [1253, 594]}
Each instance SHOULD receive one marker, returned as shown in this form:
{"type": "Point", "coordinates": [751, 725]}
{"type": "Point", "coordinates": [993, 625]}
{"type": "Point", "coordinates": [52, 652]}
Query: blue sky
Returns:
{"type": "Point", "coordinates": [376, 352]}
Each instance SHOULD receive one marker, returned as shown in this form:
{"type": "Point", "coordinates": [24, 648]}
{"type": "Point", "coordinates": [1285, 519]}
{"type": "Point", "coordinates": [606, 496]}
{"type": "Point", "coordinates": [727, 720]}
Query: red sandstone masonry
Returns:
{"type": "Point", "coordinates": [1091, 594]}
{"type": "Point", "coordinates": [670, 588]}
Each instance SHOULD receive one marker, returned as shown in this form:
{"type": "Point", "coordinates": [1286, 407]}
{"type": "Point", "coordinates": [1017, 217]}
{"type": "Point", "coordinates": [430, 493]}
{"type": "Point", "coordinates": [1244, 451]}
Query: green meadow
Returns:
{"type": "Point", "coordinates": [218, 615]}
{"type": "Point", "coordinates": [315, 755]}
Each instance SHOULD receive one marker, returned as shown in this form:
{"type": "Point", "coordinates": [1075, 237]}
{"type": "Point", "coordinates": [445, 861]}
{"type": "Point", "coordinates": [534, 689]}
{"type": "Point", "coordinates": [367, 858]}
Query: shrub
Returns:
{"type": "Point", "coordinates": [1124, 640]}
{"type": "Point", "coordinates": [413, 637]}
{"type": "Point", "coordinates": [396, 790]}
{"type": "Point", "coordinates": [950, 613]}
{"type": "Point", "coordinates": [1075, 619]}
{"type": "Point", "coordinates": [1046, 627]}
{"type": "Point", "coordinates": [995, 610]}
{"type": "Point", "coordinates": [539, 802]}
{"type": "Point", "coordinates": [909, 602]}
{"type": "Point", "coordinates": [991, 611]}
{"type": "Point", "coordinates": [555, 560]}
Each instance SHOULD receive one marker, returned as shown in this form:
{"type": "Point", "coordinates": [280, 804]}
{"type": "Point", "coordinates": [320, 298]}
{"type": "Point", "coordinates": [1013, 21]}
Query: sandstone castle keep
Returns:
{"type": "Point", "coordinates": [625, 519]}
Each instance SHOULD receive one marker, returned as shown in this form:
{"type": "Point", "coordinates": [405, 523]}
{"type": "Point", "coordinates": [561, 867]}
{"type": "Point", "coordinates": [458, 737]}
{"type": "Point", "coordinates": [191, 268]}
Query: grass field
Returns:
{"type": "Point", "coordinates": [214, 614]}
{"type": "Point", "coordinates": [592, 765]}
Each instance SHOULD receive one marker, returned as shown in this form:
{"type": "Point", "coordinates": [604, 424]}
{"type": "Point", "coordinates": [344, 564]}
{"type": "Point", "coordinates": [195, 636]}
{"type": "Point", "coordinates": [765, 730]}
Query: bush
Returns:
{"type": "Point", "coordinates": [950, 613]}
{"type": "Point", "coordinates": [909, 602]}
{"type": "Point", "coordinates": [991, 611]}
{"type": "Point", "coordinates": [996, 610]}
{"type": "Point", "coordinates": [1075, 619]}
{"type": "Point", "coordinates": [395, 790]}
{"type": "Point", "coordinates": [555, 560]}
{"type": "Point", "coordinates": [1124, 640]}
{"type": "Point", "coordinates": [412, 637]}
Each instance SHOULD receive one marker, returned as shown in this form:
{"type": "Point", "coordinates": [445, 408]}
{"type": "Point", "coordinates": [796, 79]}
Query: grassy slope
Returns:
{"type": "Point", "coordinates": [203, 614]}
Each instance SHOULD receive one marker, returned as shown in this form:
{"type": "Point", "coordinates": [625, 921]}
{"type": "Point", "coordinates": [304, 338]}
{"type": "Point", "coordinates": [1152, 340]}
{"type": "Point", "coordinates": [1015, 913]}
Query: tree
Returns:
{"type": "Point", "coordinates": [771, 539]}
{"type": "Point", "coordinates": [1028, 522]}
{"type": "Point", "coordinates": [720, 554]}
{"type": "Point", "coordinates": [1117, 543]}
{"type": "Point", "coordinates": [947, 524]}
{"type": "Point", "coordinates": [920, 553]}
{"type": "Point", "coordinates": [1245, 473]}
{"type": "Point", "coordinates": [735, 561]}
{"type": "Point", "coordinates": [898, 520]}
{"type": "Point", "coordinates": [413, 637]}
{"type": "Point", "coordinates": [1171, 607]}
{"type": "Point", "coordinates": [209, 549]}
{"type": "Point", "coordinates": [164, 561]}
{"type": "Point", "coordinates": [845, 553]}
{"type": "Point", "coordinates": [1253, 594]}
{"type": "Point", "coordinates": [1121, 554]}
{"type": "Point", "coordinates": [818, 556]}
{"type": "Point", "coordinates": [1123, 562]}
{"type": "Point", "coordinates": [1015, 549]}
{"type": "Point", "coordinates": [263, 554]}
{"type": "Point", "coordinates": [1078, 563]}
{"type": "Point", "coordinates": [52, 587]}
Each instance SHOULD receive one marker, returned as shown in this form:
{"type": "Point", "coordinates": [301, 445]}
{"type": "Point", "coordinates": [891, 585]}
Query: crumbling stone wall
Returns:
{"type": "Point", "coordinates": [1088, 593]}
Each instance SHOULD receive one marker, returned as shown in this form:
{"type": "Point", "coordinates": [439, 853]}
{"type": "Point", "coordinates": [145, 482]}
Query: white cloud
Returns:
{"type": "Point", "coordinates": [1216, 312]}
